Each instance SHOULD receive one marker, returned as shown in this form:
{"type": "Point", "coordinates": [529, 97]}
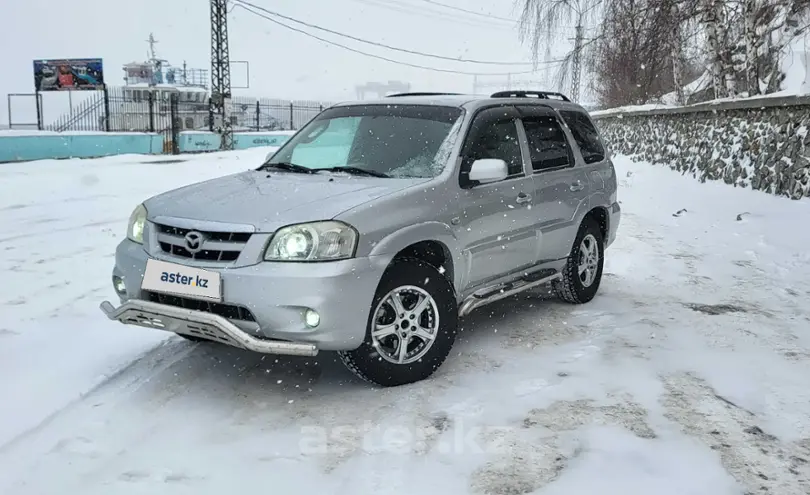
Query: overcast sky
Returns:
{"type": "Point", "coordinates": [283, 64]}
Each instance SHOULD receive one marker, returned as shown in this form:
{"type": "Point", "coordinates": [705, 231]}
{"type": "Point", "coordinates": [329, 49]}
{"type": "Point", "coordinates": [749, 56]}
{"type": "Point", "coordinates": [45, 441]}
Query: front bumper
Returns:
{"type": "Point", "coordinates": [200, 324]}
{"type": "Point", "coordinates": [275, 295]}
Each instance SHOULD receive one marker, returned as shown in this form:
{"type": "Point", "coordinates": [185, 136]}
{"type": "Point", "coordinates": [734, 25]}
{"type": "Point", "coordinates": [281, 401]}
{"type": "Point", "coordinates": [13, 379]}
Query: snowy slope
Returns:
{"type": "Point", "coordinates": [686, 375]}
{"type": "Point", "coordinates": [59, 224]}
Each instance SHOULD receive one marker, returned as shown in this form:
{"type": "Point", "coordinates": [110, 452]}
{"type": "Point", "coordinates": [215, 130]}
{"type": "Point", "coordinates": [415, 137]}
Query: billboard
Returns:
{"type": "Point", "coordinates": [68, 74]}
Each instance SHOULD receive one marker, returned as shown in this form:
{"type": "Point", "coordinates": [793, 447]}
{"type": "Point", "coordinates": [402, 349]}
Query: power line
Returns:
{"type": "Point", "coordinates": [397, 6]}
{"type": "Point", "coordinates": [438, 15]}
{"type": "Point", "coordinates": [434, 14]}
{"type": "Point", "coordinates": [374, 43]}
{"type": "Point", "coordinates": [379, 57]}
{"type": "Point", "coordinates": [488, 16]}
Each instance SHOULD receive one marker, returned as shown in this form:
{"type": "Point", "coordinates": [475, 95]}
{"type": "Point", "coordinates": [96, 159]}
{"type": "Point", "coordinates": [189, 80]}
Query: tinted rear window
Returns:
{"type": "Point", "coordinates": [585, 134]}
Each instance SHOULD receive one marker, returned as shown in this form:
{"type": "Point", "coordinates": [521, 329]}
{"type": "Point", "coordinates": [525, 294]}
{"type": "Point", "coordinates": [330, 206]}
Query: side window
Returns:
{"type": "Point", "coordinates": [586, 136]}
{"type": "Point", "coordinates": [547, 143]}
{"type": "Point", "coordinates": [492, 137]}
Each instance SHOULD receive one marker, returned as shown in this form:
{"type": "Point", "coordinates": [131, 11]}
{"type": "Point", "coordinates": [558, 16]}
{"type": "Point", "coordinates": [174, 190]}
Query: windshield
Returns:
{"type": "Point", "coordinates": [401, 141]}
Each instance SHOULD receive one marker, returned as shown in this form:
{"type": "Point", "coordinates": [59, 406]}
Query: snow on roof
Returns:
{"type": "Point", "coordinates": [630, 108]}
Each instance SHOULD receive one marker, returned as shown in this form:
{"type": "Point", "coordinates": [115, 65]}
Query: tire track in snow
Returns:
{"type": "Point", "coordinates": [139, 370]}
{"type": "Point", "coordinates": [760, 462]}
{"type": "Point", "coordinates": [543, 446]}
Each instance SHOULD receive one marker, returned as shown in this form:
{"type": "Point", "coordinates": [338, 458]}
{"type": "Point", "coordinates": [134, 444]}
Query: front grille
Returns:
{"type": "Point", "coordinates": [228, 311]}
{"type": "Point", "coordinates": [217, 246]}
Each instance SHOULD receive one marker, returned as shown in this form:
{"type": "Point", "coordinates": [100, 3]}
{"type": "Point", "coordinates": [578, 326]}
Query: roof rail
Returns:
{"type": "Point", "coordinates": [422, 94]}
{"type": "Point", "coordinates": [546, 95]}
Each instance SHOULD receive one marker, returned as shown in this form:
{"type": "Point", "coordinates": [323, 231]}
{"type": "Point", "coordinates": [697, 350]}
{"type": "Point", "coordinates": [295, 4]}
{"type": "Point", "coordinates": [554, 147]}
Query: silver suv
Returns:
{"type": "Point", "coordinates": [374, 228]}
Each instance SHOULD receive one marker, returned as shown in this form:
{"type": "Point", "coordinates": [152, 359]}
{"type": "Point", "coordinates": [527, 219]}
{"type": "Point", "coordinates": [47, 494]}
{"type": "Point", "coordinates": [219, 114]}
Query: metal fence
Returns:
{"type": "Point", "coordinates": [22, 111]}
{"type": "Point", "coordinates": [134, 109]}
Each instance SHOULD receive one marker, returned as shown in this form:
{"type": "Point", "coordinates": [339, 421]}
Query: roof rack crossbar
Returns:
{"type": "Point", "coordinates": [546, 95]}
{"type": "Point", "coordinates": [422, 94]}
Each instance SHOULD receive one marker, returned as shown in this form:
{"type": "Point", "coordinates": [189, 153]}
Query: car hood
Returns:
{"type": "Point", "coordinates": [270, 200]}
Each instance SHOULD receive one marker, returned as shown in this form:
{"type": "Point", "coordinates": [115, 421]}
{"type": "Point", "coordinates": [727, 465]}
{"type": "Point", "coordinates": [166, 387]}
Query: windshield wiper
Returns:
{"type": "Point", "coordinates": [357, 171]}
{"type": "Point", "coordinates": [290, 167]}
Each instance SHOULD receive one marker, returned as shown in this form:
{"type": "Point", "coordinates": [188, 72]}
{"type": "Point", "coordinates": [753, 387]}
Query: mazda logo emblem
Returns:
{"type": "Point", "coordinates": [194, 242]}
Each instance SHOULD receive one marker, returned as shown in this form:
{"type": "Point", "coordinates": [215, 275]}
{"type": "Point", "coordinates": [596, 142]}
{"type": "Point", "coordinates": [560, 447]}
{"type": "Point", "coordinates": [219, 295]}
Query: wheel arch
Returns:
{"type": "Point", "coordinates": [601, 216]}
{"type": "Point", "coordinates": [432, 242]}
{"type": "Point", "coordinates": [434, 253]}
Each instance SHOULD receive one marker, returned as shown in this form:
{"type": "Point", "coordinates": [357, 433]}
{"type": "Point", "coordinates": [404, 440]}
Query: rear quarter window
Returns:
{"type": "Point", "coordinates": [585, 135]}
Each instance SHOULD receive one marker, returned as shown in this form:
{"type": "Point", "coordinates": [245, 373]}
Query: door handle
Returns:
{"type": "Point", "coordinates": [523, 198]}
{"type": "Point", "coordinates": [577, 186]}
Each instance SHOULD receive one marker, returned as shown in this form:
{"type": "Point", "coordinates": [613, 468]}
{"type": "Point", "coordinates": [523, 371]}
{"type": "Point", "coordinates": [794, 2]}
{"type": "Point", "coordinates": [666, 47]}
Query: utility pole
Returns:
{"type": "Point", "coordinates": [152, 42]}
{"type": "Point", "coordinates": [576, 62]}
{"type": "Point", "coordinates": [220, 73]}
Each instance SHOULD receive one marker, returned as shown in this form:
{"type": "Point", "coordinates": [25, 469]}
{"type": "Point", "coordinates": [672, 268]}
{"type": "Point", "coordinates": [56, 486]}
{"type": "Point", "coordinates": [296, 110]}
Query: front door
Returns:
{"type": "Point", "coordinates": [495, 223]}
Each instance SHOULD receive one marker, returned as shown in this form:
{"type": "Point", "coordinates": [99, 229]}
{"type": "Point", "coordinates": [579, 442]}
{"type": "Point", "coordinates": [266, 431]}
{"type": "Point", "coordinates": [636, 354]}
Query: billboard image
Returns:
{"type": "Point", "coordinates": [68, 74]}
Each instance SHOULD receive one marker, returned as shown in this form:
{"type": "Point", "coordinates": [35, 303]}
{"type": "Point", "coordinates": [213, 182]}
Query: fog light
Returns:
{"type": "Point", "coordinates": [312, 318]}
{"type": "Point", "coordinates": [119, 286]}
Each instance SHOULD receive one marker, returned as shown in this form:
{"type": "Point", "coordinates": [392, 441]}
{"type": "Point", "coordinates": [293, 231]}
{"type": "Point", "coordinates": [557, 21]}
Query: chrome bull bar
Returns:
{"type": "Point", "coordinates": [199, 324]}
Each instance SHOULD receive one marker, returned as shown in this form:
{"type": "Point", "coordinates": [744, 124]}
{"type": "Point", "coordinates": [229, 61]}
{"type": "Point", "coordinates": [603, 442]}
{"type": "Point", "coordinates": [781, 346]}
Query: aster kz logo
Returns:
{"type": "Point", "coordinates": [179, 278]}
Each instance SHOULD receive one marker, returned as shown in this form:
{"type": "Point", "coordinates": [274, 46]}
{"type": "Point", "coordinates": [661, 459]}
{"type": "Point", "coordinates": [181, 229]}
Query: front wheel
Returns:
{"type": "Point", "coordinates": [411, 327]}
{"type": "Point", "coordinates": [582, 273]}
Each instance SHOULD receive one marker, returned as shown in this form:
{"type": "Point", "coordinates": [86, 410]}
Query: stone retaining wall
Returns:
{"type": "Point", "coordinates": [763, 144]}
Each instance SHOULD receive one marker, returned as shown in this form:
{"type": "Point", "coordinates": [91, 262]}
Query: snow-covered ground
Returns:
{"type": "Point", "coordinates": [688, 374]}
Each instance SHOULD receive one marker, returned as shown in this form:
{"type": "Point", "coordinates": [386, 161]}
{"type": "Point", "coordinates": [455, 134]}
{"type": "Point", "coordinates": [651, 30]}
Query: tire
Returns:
{"type": "Point", "coordinates": [579, 288]}
{"type": "Point", "coordinates": [409, 280]}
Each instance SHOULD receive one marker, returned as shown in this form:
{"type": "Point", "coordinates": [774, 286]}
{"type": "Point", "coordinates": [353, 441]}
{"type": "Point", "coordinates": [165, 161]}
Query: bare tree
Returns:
{"type": "Point", "coordinates": [779, 23]}
{"type": "Point", "coordinates": [540, 20]}
{"type": "Point", "coordinates": [750, 10]}
{"type": "Point", "coordinates": [676, 43]}
{"type": "Point", "coordinates": [643, 49]}
{"type": "Point", "coordinates": [634, 53]}
{"type": "Point", "coordinates": [747, 40]}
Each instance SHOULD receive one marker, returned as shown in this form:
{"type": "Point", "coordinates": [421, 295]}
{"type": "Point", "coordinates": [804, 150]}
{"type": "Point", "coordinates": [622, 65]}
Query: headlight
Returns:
{"type": "Point", "coordinates": [318, 241]}
{"type": "Point", "coordinates": [137, 221]}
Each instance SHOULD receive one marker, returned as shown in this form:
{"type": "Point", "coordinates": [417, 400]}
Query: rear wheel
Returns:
{"type": "Point", "coordinates": [582, 273]}
{"type": "Point", "coordinates": [411, 327]}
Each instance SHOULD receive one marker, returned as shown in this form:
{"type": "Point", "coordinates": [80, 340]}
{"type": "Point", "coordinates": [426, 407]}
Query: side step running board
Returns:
{"type": "Point", "coordinates": [492, 294]}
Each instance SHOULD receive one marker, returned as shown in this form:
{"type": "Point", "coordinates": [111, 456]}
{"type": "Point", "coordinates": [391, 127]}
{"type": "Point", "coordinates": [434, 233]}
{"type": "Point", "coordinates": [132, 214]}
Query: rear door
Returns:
{"type": "Point", "coordinates": [560, 187]}
{"type": "Point", "coordinates": [593, 160]}
{"type": "Point", "coordinates": [495, 222]}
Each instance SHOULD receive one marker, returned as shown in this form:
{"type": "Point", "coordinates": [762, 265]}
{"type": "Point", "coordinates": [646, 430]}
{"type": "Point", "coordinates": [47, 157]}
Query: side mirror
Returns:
{"type": "Point", "coordinates": [489, 170]}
